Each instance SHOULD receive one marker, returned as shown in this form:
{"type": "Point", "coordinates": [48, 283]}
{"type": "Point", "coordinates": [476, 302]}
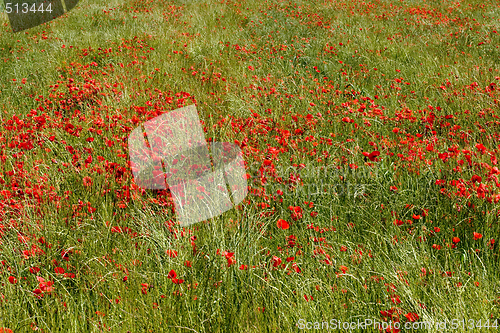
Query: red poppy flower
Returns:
{"type": "Point", "coordinates": [481, 148]}
{"type": "Point", "coordinates": [144, 288]}
{"type": "Point", "coordinates": [12, 280]}
{"type": "Point", "coordinates": [230, 261]}
{"type": "Point", "coordinates": [491, 243]}
{"type": "Point", "coordinates": [34, 270]}
{"type": "Point", "coordinates": [227, 254]}
{"type": "Point", "coordinates": [65, 254]}
{"type": "Point", "coordinates": [276, 261]}
{"type": "Point", "coordinates": [476, 178]}
{"type": "Point", "coordinates": [172, 253]}
{"type": "Point", "coordinates": [172, 274]}
{"type": "Point", "coordinates": [296, 212]}
{"type": "Point", "coordinates": [59, 270]}
{"type": "Point", "coordinates": [282, 224]}
{"type": "Point", "coordinates": [395, 299]}
{"type": "Point", "coordinates": [45, 286]}
{"type": "Point", "coordinates": [372, 156]}
{"type": "Point", "coordinates": [87, 181]}
{"type": "Point", "coordinates": [477, 235]}
{"type": "Point", "coordinates": [344, 269]}
{"type": "Point", "coordinates": [455, 240]}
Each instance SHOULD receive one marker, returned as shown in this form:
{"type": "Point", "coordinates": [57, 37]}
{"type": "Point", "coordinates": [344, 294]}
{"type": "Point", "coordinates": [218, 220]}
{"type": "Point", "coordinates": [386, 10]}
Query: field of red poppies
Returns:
{"type": "Point", "coordinates": [369, 131]}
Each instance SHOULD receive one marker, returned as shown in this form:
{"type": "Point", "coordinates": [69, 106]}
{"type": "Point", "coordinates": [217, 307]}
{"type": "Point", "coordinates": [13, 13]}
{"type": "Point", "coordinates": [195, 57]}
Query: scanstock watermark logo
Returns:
{"type": "Point", "coordinates": [26, 14]}
{"type": "Point", "coordinates": [170, 151]}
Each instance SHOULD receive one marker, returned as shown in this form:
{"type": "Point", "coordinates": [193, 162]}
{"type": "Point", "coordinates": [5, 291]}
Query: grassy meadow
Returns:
{"type": "Point", "coordinates": [370, 134]}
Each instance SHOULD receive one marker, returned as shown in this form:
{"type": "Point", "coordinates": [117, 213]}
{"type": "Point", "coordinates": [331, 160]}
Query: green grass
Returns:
{"type": "Point", "coordinates": [354, 210]}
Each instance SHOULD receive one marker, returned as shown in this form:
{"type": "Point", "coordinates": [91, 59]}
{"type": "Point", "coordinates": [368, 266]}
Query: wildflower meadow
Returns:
{"type": "Point", "coordinates": [370, 137]}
